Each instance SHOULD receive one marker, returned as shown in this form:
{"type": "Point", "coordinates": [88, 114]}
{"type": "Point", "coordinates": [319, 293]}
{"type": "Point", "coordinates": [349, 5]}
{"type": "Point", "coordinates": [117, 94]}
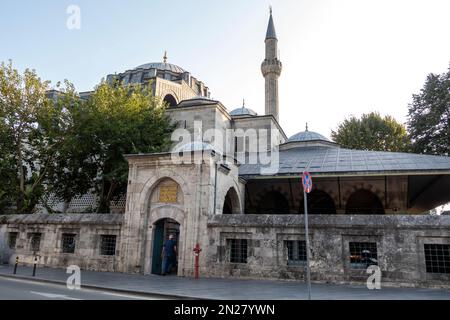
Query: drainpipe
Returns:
{"type": "Point", "coordinates": [215, 187]}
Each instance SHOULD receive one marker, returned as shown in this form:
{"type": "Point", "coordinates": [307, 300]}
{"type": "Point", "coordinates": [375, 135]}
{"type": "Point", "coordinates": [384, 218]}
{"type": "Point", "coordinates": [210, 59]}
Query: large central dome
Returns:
{"type": "Point", "coordinates": [162, 66]}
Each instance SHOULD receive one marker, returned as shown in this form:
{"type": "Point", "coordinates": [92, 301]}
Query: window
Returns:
{"type": "Point", "coordinates": [35, 242]}
{"type": "Point", "coordinates": [238, 250]}
{"type": "Point", "coordinates": [12, 240]}
{"type": "Point", "coordinates": [296, 252]}
{"type": "Point", "coordinates": [363, 254]}
{"type": "Point", "coordinates": [68, 243]}
{"type": "Point", "coordinates": [437, 258]}
{"type": "Point", "coordinates": [108, 245]}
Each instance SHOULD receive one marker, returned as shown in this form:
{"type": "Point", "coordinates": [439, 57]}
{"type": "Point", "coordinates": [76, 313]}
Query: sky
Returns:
{"type": "Point", "coordinates": [340, 57]}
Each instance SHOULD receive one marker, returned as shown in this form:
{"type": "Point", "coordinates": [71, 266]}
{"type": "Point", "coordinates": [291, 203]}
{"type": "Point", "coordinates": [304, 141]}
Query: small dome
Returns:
{"type": "Point", "coordinates": [162, 66]}
{"type": "Point", "coordinates": [193, 146]}
{"type": "Point", "coordinates": [307, 136]}
{"type": "Point", "coordinates": [243, 112]}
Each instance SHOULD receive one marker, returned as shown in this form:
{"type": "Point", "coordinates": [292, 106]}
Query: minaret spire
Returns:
{"type": "Point", "coordinates": [271, 69]}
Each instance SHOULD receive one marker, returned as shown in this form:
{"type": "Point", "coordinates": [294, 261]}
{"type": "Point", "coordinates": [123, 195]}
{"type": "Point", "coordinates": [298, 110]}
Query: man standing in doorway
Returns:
{"type": "Point", "coordinates": [169, 254]}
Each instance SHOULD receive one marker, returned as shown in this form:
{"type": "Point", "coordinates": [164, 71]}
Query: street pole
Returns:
{"type": "Point", "coordinates": [308, 273]}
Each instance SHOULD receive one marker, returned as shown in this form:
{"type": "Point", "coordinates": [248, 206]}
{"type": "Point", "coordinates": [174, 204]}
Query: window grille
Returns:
{"type": "Point", "coordinates": [238, 250]}
{"type": "Point", "coordinates": [35, 242]}
{"type": "Point", "coordinates": [437, 258]}
{"type": "Point", "coordinates": [363, 254]}
{"type": "Point", "coordinates": [108, 245]}
{"type": "Point", "coordinates": [68, 243]}
{"type": "Point", "coordinates": [12, 240]}
{"type": "Point", "coordinates": [296, 252]}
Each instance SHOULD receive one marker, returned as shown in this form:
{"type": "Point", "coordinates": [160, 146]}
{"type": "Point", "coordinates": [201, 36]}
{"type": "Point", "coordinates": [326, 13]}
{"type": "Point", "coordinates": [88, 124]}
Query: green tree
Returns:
{"type": "Point", "coordinates": [115, 120]}
{"type": "Point", "coordinates": [55, 143]}
{"type": "Point", "coordinates": [31, 131]}
{"type": "Point", "coordinates": [429, 116]}
{"type": "Point", "coordinates": [372, 132]}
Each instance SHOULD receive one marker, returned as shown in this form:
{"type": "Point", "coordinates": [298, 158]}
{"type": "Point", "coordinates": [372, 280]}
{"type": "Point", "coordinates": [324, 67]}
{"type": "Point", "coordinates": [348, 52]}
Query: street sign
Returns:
{"type": "Point", "coordinates": [307, 182]}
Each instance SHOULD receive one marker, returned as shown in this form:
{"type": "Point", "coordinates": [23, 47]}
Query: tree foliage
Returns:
{"type": "Point", "coordinates": [67, 146]}
{"type": "Point", "coordinates": [372, 132]}
{"type": "Point", "coordinates": [429, 116]}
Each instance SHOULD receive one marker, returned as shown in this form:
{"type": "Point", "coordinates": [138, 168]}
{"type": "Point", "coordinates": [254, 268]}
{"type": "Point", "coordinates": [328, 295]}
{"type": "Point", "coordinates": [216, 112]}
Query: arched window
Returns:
{"type": "Point", "coordinates": [319, 202]}
{"type": "Point", "coordinates": [364, 202]}
{"type": "Point", "coordinates": [170, 100]}
{"type": "Point", "coordinates": [231, 203]}
{"type": "Point", "coordinates": [273, 202]}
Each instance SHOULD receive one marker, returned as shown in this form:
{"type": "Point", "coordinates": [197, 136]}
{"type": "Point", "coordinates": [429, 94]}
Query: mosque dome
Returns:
{"type": "Point", "coordinates": [243, 111]}
{"type": "Point", "coordinates": [162, 66]}
{"type": "Point", "coordinates": [307, 136]}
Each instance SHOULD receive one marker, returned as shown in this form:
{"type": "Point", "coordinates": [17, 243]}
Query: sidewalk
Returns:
{"type": "Point", "coordinates": [221, 289]}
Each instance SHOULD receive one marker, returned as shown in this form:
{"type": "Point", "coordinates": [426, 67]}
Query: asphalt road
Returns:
{"type": "Point", "coordinates": [18, 289]}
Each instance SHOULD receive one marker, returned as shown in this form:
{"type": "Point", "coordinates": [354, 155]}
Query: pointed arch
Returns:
{"type": "Point", "coordinates": [231, 203]}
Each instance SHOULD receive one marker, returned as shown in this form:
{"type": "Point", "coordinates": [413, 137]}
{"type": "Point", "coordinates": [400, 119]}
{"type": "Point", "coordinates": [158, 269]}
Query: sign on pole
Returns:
{"type": "Point", "coordinates": [307, 182]}
{"type": "Point", "coordinates": [307, 187]}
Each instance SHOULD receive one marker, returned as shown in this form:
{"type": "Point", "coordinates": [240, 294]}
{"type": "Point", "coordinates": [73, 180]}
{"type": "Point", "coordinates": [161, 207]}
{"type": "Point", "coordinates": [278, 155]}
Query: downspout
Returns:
{"type": "Point", "coordinates": [215, 188]}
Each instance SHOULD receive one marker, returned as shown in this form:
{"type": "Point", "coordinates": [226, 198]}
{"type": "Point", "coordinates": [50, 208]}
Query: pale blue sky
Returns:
{"type": "Point", "coordinates": [340, 57]}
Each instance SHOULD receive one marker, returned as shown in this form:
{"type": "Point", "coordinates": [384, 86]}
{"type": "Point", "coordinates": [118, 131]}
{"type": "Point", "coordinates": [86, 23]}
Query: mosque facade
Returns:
{"type": "Point", "coordinates": [231, 187]}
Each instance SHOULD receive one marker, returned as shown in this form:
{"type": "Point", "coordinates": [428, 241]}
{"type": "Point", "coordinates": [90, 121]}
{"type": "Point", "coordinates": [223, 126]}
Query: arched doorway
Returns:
{"type": "Point", "coordinates": [364, 202]}
{"type": "Point", "coordinates": [162, 230]}
{"type": "Point", "coordinates": [231, 203]}
{"type": "Point", "coordinates": [273, 202]}
{"type": "Point", "coordinates": [170, 100]}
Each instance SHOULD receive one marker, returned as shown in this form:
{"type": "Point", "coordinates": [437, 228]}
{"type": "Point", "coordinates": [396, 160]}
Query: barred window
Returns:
{"type": "Point", "coordinates": [68, 243]}
{"type": "Point", "coordinates": [35, 242]}
{"type": "Point", "coordinates": [437, 258]}
{"type": "Point", "coordinates": [108, 245]}
{"type": "Point", "coordinates": [238, 250]}
{"type": "Point", "coordinates": [296, 252]}
{"type": "Point", "coordinates": [363, 254]}
{"type": "Point", "coordinates": [12, 239]}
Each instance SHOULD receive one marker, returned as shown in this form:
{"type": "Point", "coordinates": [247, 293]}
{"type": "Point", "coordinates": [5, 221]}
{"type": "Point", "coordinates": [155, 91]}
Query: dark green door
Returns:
{"type": "Point", "coordinates": [158, 241]}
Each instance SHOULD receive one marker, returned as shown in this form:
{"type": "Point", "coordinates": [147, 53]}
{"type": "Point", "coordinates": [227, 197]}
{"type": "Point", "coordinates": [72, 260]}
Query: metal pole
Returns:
{"type": "Point", "coordinates": [34, 267]}
{"type": "Point", "coordinates": [15, 265]}
{"type": "Point", "coordinates": [308, 273]}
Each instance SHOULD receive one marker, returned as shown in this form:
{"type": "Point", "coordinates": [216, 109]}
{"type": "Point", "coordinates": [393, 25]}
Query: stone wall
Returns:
{"type": "Point", "coordinates": [400, 243]}
{"type": "Point", "coordinates": [87, 228]}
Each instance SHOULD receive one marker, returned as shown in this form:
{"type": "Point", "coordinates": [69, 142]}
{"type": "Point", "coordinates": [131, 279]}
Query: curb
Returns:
{"type": "Point", "coordinates": [109, 289]}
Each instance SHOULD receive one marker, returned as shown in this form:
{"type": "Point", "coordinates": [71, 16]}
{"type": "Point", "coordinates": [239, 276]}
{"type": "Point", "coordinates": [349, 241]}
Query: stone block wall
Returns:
{"type": "Point", "coordinates": [87, 228]}
{"type": "Point", "coordinates": [399, 239]}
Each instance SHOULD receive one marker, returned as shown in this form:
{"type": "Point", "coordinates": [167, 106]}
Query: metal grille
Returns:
{"type": "Point", "coordinates": [12, 240]}
{"type": "Point", "coordinates": [363, 254]}
{"type": "Point", "coordinates": [437, 258]}
{"type": "Point", "coordinates": [238, 250]}
{"type": "Point", "coordinates": [296, 252]}
{"type": "Point", "coordinates": [35, 242]}
{"type": "Point", "coordinates": [108, 245]}
{"type": "Point", "coordinates": [68, 243]}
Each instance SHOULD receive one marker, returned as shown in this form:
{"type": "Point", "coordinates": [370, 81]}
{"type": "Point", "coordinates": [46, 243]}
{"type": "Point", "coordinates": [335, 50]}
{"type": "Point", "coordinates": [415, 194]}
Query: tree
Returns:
{"type": "Point", "coordinates": [429, 116]}
{"type": "Point", "coordinates": [55, 143]}
{"type": "Point", "coordinates": [26, 152]}
{"type": "Point", "coordinates": [114, 121]}
{"type": "Point", "coordinates": [372, 132]}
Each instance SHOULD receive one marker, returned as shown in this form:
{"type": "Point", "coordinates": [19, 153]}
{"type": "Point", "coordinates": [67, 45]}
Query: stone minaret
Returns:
{"type": "Point", "coordinates": [271, 69]}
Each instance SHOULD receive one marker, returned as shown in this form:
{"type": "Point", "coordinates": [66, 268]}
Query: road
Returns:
{"type": "Point", "coordinates": [18, 289]}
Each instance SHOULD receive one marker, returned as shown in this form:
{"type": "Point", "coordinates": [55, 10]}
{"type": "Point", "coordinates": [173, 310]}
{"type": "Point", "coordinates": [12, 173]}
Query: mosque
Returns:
{"type": "Point", "coordinates": [242, 202]}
